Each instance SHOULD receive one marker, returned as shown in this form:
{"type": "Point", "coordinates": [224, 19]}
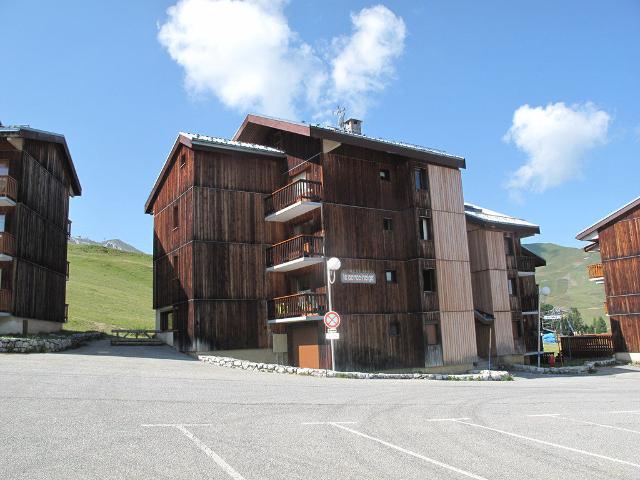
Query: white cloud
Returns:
{"type": "Point", "coordinates": [245, 53]}
{"type": "Point", "coordinates": [556, 138]}
{"type": "Point", "coordinates": [364, 60]}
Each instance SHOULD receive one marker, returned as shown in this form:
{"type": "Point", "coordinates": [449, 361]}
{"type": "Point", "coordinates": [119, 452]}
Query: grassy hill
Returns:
{"type": "Point", "coordinates": [109, 289]}
{"type": "Point", "coordinates": [566, 276]}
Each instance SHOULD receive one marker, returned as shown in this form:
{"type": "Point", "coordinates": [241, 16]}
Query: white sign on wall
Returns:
{"type": "Point", "coordinates": [351, 276]}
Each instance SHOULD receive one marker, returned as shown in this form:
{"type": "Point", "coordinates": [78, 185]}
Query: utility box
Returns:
{"type": "Point", "coordinates": [279, 343]}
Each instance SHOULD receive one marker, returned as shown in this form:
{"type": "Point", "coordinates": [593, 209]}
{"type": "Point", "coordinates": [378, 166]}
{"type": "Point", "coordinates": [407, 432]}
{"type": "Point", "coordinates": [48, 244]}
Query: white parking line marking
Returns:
{"type": "Point", "coordinates": [201, 445]}
{"type": "Point", "coordinates": [408, 452]}
{"type": "Point", "coordinates": [545, 415]}
{"type": "Point", "coordinates": [612, 427]}
{"type": "Point", "coordinates": [625, 411]}
{"type": "Point", "coordinates": [551, 444]}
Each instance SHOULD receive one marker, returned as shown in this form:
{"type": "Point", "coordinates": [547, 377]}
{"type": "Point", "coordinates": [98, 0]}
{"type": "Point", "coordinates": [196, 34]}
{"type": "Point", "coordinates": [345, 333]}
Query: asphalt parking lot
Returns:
{"type": "Point", "coordinates": [148, 412]}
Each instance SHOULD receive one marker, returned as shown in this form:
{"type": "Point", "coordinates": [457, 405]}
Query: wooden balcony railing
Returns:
{"type": "Point", "coordinates": [292, 193]}
{"type": "Point", "coordinates": [526, 264]}
{"type": "Point", "coordinates": [512, 264]}
{"type": "Point", "coordinates": [529, 303]}
{"type": "Point", "coordinates": [8, 187]}
{"type": "Point", "coordinates": [294, 248]}
{"type": "Point", "coordinates": [595, 271]}
{"type": "Point", "coordinates": [5, 301]}
{"type": "Point", "coordinates": [298, 305]}
{"type": "Point", "coordinates": [7, 244]}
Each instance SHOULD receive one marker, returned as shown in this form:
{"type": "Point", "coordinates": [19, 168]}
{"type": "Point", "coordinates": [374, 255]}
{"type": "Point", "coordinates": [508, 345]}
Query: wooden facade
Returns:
{"type": "Point", "coordinates": [617, 237]}
{"type": "Point", "coordinates": [241, 232]}
{"type": "Point", "coordinates": [503, 283]}
{"type": "Point", "coordinates": [35, 222]}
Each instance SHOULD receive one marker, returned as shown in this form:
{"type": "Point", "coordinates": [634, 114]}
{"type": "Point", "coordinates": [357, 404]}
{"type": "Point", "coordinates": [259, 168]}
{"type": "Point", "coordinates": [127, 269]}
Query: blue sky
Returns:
{"type": "Point", "coordinates": [453, 79]}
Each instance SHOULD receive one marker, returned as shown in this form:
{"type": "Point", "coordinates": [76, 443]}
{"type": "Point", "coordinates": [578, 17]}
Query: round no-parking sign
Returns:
{"type": "Point", "coordinates": [332, 319]}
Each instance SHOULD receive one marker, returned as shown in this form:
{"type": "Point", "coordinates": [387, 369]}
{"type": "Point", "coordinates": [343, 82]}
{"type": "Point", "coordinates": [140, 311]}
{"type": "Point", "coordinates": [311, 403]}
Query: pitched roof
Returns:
{"type": "Point", "coordinates": [591, 233]}
{"type": "Point", "coordinates": [24, 131]}
{"type": "Point", "coordinates": [198, 141]}
{"type": "Point", "coordinates": [489, 217]}
{"type": "Point", "coordinates": [253, 128]}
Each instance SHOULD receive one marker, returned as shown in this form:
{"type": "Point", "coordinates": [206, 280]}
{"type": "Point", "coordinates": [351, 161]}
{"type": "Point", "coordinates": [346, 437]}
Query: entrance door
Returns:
{"type": "Point", "coordinates": [304, 346]}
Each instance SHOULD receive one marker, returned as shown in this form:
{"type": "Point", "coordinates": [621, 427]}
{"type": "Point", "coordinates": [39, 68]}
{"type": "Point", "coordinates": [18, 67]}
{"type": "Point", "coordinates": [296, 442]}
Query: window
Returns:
{"type": "Point", "coordinates": [4, 167]}
{"type": "Point", "coordinates": [183, 160]}
{"type": "Point", "coordinates": [432, 334]}
{"type": "Point", "coordinates": [2, 222]}
{"type": "Point", "coordinates": [385, 175]}
{"type": "Point", "coordinates": [425, 229]}
{"type": "Point", "coordinates": [390, 276]}
{"type": "Point", "coordinates": [176, 217]}
{"type": "Point", "coordinates": [387, 224]}
{"type": "Point", "coordinates": [513, 289]}
{"type": "Point", "coordinates": [429, 280]}
{"type": "Point", "coordinates": [421, 179]}
{"type": "Point", "coordinates": [394, 329]}
{"type": "Point", "coordinates": [508, 245]}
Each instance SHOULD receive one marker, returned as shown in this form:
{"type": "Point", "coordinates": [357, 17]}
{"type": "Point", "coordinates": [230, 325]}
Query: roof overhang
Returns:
{"type": "Point", "coordinates": [44, 136]}
{"type": "Point", "coordinates": [540, 262]}
{"type": "Point", "coordinates": [255, 129]}
{"type": "Point", "coordinates": [591, 234]}
{"type": "Point", "coordinates": [523, 230]}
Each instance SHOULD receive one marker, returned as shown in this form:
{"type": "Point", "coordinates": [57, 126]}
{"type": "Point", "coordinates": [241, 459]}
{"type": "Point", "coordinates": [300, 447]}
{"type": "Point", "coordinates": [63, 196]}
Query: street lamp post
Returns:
{"type": "Point", "coordinates": [544, 291]}
{"type": "Point", "coordinates": [333, 264]}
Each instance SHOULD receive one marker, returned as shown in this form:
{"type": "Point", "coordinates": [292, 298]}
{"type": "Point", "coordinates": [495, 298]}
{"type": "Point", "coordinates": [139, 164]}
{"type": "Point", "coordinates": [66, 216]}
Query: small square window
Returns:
{"type": "Point", "coordinates": [429, 280]}
{"type": "Point", "coordinates": [421, 179]}
{"type": "Point", "coordinates": [390, 276]}
{"type": "Point", "coordinates": [387, 224]}
{"type": "Point", "coordinates": [394, 329]}
{"type": "Point", "coordinates": [385, 175]}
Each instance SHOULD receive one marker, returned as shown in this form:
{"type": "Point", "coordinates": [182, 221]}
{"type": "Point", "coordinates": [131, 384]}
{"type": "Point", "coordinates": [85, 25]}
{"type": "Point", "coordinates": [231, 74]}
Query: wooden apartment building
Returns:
{"type": "Point", "coordinates": [37, 177]}
{"type": "Point", "coordinates": [617, 238]}
{"type": "Point", "coordinates": [242, 229]}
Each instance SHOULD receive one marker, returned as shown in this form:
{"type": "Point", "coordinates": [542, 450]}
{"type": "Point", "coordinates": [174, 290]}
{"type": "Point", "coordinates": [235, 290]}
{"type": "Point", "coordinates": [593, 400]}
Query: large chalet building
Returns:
{"type": "Point", "coordinates": [617, 238]}
{"type": "Point", "coordinates": [243, 227]}
{"type": "Point", "coordinates": [37, 177]}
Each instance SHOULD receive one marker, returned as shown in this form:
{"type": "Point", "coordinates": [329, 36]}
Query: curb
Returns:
{"type": "Point", "coordinates": [227, 362]}
{"type": "Point", "coordinates": [588, 367]}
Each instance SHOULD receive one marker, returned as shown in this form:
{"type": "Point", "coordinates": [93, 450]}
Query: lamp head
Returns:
{"type": "Point", "coordinates": [545, 291]}
{"type": "Point", "coordinates": [334, 263]}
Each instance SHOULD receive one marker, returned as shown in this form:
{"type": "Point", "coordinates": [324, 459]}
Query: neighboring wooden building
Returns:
{"type": "Point", "coordinates": [242, 229]}
{"type": "Point", "coordinates": [505, 293]}
{"type": "Point", "coordinates": [617, 238]}
{"type": "Point", "coordinates": [37, 177]}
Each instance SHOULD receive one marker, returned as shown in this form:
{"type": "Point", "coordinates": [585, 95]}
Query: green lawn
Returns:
{"type": "Point", "coordinates": [109, 289]}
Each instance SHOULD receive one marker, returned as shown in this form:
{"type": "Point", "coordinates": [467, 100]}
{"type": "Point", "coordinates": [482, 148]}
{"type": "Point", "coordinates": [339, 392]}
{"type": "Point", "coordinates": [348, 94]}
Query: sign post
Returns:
{"type": "Point", "coordinates": [332, 265]}
{"type": "Point", "coordinates": [332, 322]}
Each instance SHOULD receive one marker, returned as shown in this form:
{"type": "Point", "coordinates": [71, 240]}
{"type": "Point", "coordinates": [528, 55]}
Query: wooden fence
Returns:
{"type": "Point", "coordinates": [587, 346]}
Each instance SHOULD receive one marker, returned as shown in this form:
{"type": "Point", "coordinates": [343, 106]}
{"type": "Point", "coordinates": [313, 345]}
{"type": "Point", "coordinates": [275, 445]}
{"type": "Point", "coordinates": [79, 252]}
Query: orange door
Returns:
{"type": "Point", "coordinates": [304, 346]}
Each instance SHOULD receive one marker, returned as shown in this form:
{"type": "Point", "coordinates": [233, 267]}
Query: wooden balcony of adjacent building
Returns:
{"type": "Point", "coordinates": [295, 253]}
{"type": "Point", "coordinates": [526, 265]}
{"type": "Point", "coordinates": [596, 273]}
{"type": "Point", "coordinates": [529, 304]}
{"type": "Point", "coordinates": [298, 307]}
{"type": "Point", "coordinates": [7, 247]}
{"type": "Point", "coordinates": [293, 200]}
{"type": "Point", "coordinates": [8, 191]}
{"type": "Point", "coordinates": [6, 302]}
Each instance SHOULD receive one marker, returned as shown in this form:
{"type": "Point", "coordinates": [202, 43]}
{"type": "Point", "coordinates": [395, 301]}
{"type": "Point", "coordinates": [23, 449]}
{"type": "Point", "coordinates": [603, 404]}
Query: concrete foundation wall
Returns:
{"type": "Point", "coordinates": [628, 357]}
{"type": "Point", "coordinates": [14, 326]}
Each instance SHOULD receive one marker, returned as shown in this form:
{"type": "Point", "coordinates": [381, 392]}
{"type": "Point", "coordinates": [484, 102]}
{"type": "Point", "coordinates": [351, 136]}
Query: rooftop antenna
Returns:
{"type": "Point", "coordinates": [339, 112]}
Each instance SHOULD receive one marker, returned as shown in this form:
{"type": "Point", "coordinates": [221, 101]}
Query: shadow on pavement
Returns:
{"type": "Point", "coordinates": [104, 348]}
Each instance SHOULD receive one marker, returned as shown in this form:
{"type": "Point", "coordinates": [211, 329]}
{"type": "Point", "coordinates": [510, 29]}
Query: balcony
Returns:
{"type": "Point", "coordinates": [8, 191]}
{"type": "Point", "coordinates": [293, 200]}
{"type": "Point", "coordinates": [297, 252]}
{"type": "Point", "coordinates": [526, 266]}
{"type": "Point", "coordinates": [596, 273]}
{"type": "Point", "coordinates": [297, 307]}
{"type": "Point", "coordinates": [7, 247]}
{"type": "Point", "coordinates": [529, 304]}
{"type": "Point", "coordinates": [6, 306]}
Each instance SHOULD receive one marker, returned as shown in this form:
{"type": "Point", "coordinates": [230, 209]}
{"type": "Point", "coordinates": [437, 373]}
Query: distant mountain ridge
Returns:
{"type": "Point", "coordinates": [115, 244]}
{"type": "Point", "coordinates": [566, 276]}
